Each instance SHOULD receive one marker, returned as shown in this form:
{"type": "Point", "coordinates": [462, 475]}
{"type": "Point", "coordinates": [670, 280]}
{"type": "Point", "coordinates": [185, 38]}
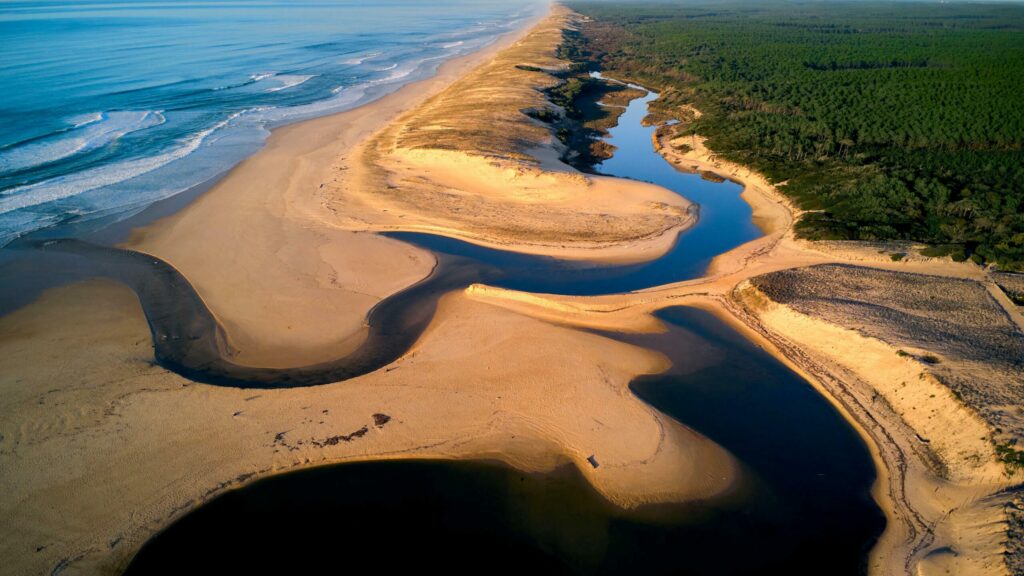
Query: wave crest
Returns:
{"type": "Point", "coordinates": [88, 132]}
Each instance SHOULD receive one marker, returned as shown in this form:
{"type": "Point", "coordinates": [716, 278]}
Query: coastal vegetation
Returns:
{"type": "Point", "coordinates": [1010, 455]}
{"type": "Point", "coordinates": [591, 107]}
{"type": "Point", "coordinates": [881, 120]}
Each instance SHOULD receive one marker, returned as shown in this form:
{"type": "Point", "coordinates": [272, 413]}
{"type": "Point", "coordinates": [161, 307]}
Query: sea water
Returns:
{"type": "Point", "coordinates": [107, 107]}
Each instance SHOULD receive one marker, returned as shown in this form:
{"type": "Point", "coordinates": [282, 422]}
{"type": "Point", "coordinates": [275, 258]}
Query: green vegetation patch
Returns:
{"type": "Point", "coordinates": [592, 106]}
{"type": "Point", "coordinates": [1010, 456]}
{"type": "Point", "coordinates": [887, 120]}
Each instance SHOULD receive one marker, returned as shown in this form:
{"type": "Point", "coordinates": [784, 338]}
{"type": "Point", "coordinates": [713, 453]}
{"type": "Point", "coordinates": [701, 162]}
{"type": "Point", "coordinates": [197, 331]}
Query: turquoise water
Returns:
{"type": "Point", "coordinates": [108, 107]}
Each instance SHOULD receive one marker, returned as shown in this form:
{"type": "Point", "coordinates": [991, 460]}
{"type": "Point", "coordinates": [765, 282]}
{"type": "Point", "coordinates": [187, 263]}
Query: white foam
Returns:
{"type": "Point", "coordinates": [261, 76]}
{"type": "Point", "coordinates": [76, 183]}
{"type": "Point", "coordinates": [288, 81]}
{"type": "Point", "coordinates": [344, 97]}
{"type": "Point", "coordinates": [359, 59]}
{"type": "Point", "coordinates": [89, 132]}
{"type": "Point", "coordinates": [398, 73]}
{"type": "Point", "coordinates": [452, 45]}
{"type": "Point", "coordinates": [85, 119]}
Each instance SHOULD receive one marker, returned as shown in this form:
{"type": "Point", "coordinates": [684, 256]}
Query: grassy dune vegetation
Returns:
{"type": "Point", "coordinates": [886, 120]}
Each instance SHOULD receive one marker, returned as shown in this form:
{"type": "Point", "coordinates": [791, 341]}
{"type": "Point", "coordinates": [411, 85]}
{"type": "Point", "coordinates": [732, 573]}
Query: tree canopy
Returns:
{"type": "Point", "coordinates": [888, 120]}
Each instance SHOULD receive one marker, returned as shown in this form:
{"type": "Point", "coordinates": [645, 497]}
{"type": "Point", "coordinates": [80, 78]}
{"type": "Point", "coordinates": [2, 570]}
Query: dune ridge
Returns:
{"type": "Point", "coordinates": [470, 163]}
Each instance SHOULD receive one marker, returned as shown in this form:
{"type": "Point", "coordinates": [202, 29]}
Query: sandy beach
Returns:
{"type": "Point", "coordinates": [294, 273]}
{"type": "Point", "coordinates": [102, 448]}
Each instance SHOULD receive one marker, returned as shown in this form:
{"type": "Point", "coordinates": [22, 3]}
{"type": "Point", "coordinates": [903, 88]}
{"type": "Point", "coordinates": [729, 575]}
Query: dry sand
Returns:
{"type": "Point", "coordinates": [100, 448]}
{"type": "Point", "coordinates": [469, 163]}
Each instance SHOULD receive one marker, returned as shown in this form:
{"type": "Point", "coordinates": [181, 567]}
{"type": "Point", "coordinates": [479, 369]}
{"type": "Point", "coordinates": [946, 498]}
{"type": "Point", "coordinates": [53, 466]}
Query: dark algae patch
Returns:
{"type": "Point", "coordinates": [803, 505]}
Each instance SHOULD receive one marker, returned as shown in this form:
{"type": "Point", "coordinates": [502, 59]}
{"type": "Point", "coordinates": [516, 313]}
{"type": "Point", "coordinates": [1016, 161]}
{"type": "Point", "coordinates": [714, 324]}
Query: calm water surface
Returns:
{"type": "Point", "coordinates": [724, 223]}
{"type": "Point", "coordinates": [803, 507]}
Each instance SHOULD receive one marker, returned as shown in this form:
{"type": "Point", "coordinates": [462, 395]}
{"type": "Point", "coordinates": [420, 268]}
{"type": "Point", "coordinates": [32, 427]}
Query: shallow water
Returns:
{"type": "Point", "coordinates": [108, 107]}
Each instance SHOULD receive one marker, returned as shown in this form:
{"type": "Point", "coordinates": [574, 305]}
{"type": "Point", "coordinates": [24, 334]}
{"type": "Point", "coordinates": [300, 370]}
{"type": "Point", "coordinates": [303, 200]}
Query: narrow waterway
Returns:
{"type": "Point", "coordinates": [725, 222]}
{"type": "Point", "coordinates": [803, 505]}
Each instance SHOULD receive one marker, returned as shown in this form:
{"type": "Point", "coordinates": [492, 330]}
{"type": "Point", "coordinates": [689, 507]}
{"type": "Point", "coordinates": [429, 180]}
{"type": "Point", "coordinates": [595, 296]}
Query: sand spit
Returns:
{"type": "Point", "coordinates": [946, 497]}
{"type": "Point", "coordinates": [470, 163]}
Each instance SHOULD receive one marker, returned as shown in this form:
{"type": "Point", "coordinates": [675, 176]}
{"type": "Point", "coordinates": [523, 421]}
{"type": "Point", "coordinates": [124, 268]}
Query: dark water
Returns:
{"type": "Point", "coordinates": [803, 507]}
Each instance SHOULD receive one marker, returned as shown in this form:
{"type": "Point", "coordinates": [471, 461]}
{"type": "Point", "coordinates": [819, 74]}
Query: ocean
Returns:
{"type": "Point", "coordinates": [110, 106]}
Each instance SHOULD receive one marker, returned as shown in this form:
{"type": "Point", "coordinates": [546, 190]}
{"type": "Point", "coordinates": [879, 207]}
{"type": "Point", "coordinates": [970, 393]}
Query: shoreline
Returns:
{"type": "Point", "coordinates": [276, 217]}
{"type": "Point", "coordinates": [262, 197]}
{"type": "Point", "coordinates": [246, 434]}
{"type": "Point", "coordinates": [125, 447]}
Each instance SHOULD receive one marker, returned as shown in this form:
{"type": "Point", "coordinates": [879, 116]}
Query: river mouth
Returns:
{"type": "Point", "coordinates": [189, 340]}
{"type": "Point", "coordinates": [802, 506]}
